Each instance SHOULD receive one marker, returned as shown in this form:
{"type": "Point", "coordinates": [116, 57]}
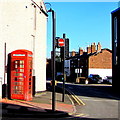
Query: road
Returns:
{"type": "Point", "coordinates": [99, 101]}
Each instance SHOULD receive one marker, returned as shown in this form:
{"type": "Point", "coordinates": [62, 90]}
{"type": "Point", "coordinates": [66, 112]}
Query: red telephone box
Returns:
{"type": "Point", "coordinates": [20, 75]}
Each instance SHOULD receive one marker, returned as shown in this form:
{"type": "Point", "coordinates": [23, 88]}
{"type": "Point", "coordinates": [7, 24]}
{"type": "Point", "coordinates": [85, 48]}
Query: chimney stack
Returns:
{"type": "Point", "coordinates": [99, 47]}
{"type": "Point", "coordinates": [73, 53]}
{"type": "Point", "coordinates": [88, 50]}
{"type": "Point", "coordinates": [93, 48]}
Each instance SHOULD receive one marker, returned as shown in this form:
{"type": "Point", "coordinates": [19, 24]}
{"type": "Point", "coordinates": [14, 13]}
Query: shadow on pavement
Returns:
{"type": "Point", "coordinates": [19, 111]}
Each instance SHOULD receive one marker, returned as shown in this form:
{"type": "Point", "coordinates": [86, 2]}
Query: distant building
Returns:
{"type": "Point", "coordinates": [23, 26]}
{"type": "Point", "coordinates": [94, 61]}
{"type": "Point", "coordinates": [116, 47]}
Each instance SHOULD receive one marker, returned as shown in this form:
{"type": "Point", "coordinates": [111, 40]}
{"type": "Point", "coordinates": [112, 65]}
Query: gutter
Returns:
{"type": "Point", "coordinates": [40, 7]}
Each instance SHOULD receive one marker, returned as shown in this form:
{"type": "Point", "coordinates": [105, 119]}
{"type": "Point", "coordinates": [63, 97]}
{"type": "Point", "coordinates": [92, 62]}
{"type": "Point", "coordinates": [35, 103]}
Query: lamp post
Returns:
{"type": "Point", "coordinates": [54, 46]}
{"type": "Point", "coordinates": [53, 58]}
{"type": "Point", "coordinates": [63, 96]}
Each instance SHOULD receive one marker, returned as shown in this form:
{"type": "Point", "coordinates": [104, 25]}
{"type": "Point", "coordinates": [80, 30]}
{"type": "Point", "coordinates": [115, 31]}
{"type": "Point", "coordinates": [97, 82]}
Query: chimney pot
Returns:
{"type": "Point", "coordinates": [73, 53]}
{"type": "Point", "coordinates": [80, 51]}
{"type": "Point", "coordinates": [99, 47]}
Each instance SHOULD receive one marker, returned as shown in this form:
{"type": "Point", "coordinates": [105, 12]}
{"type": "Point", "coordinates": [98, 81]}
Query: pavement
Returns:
{"type": "Point", "coordinates": [39, 107]}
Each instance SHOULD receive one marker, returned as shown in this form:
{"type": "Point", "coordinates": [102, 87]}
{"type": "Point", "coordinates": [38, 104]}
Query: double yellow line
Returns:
{"type": "Point", "coordinates": [76, 98]}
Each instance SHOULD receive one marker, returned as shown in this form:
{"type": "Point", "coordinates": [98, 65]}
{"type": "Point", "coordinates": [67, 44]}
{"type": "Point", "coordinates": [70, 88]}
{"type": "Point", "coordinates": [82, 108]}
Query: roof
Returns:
{"type": "Point", "coordinates": [95, 53]}
{"type": "Point", "coordinates": [116, 10]}
{"type": "Point", "coordinates": [21, 50]}
{"type": "Point", "coordinates": [88, 55]}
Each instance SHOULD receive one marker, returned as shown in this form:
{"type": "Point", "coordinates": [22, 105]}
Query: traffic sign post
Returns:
{"type": "Point", "coordinates": [60, 43]}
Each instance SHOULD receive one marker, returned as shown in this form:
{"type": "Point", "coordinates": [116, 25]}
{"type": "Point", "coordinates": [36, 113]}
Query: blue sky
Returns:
{"type": "Point", "coordinates": [82, 22]}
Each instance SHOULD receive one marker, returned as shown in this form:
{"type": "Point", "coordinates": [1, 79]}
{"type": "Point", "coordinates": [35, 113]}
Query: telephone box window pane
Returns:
{"type": "Point", "coordinates": [16, 70]}
{"type": "Point", "coordinates": [20, 74]}
{"type": "Point", "coordinates": [16, 66]}
{"type": "Point", "coordinates": [30, 64]}
{"type": "Point", "coordinates": [29, 91]}
{"type": "Point", "coordinates": [15, 87]}
{"type": "Point", "coordinates": [20, 92]}
{"type": "Point", "coordinates": [14, 91]}
{"type": "Point", "coordinates": [21, 70]}
{"type": "Point", "coordinates": [21, 66]}
{"type": "Point", "coordinates": [21, 62]}
{"type": "Point", "coordinates": [20, 79]}
{"type": "Point", "coordinates": [16, 74]}
{"type": "Point", "coordinates": [16, 61]}
{"type": "Point", "coordinates": [16, 83]}
{"type": "Point", "coordinates": [15, 78]}
{"type": "Point", "coordinates": [20, 83]}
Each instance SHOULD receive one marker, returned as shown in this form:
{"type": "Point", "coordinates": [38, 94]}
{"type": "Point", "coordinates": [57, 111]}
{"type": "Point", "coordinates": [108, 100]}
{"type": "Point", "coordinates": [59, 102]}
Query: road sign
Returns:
{"type": "Point", "coordinates": [77, 70]}
{"type": "Point", "coordinates": [61, 42]}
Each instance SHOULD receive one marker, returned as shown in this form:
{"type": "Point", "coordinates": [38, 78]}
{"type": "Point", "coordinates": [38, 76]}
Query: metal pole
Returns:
{"type": "Point", "coordinates": [53, 66]}
{"type": "Point", "coordinates": [63, 97]}
{"type": "Point", "coordinates": [5, 83]}
{"type": "Point", "coordinates": [4, 62]}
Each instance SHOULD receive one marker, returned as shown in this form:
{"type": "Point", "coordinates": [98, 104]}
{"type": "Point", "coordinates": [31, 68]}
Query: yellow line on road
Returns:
{"type": "Point", "coordinates": [77, 99]}
{"type": "Point", "coordinates": [80, 100]}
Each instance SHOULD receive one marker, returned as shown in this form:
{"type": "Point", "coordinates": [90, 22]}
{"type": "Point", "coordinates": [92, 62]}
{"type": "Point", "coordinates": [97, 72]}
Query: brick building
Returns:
{"type": "Point", "coordinates": [94, 61]}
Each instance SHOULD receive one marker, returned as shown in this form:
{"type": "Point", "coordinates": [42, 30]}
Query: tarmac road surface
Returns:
{"type": "Point", "coordinates": [99, 102]}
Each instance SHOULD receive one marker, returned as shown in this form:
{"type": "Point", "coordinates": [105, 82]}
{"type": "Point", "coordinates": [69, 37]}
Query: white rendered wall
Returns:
{"type": "Point", "coordinates": [101, 72]}
{"type": "Point", "coordinates": [17, 29]}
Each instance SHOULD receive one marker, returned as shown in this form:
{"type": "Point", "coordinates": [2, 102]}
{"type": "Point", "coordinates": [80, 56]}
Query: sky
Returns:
{"type": "Point", "coordinates": [83, 23]}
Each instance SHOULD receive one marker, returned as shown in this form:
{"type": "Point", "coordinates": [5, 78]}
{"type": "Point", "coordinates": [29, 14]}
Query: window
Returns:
{"type": "Point", "coordinates": [115, 41]}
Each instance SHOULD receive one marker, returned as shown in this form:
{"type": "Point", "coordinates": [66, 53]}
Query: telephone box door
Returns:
{"type": "Point", "coordinates": [18, 79]}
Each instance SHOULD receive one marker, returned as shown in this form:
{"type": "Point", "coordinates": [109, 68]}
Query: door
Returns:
{"type": "Point", "coordinates": [18, 79]}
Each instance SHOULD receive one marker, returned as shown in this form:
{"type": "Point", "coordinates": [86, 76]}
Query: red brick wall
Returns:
{"type": "Point", "coordinates": [102, 60]}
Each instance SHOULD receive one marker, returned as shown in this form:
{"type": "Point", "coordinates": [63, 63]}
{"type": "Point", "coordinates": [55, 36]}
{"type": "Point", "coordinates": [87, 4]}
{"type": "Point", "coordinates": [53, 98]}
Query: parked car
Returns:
{"type": "Point", "coordinates": [107, 79]}
{"type": "Point", "coordinates": [60, 77]}
{"type": "Point", "coordinates": [94, 78]}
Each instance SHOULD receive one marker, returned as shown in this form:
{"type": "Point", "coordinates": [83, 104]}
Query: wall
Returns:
{"type": "Point", "coordinates": [101, 60]}
{"type": "Point", "coordinates": [24, 27]}
{"type": "Point", "coordinates": [101, 63]}
{"type": "Point", "coordinates": [101, 72]}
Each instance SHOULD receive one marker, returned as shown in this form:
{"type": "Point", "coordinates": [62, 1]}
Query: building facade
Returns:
{"type": "Point", "coordinates": [100, 63]}
{"type": "Point", "coordinates": [94, 61]}
{"type": "Point", "coordinates": [116, 47]}
{"type": "Point", "coordinates": [23, 26]}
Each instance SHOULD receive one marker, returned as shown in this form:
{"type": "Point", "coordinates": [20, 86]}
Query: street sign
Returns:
{"type": "Point", "coordinates": [67, 67]}
{"type": "Point", "coordinates": [61, 42]}
{"type": "Point", "coordinates": [77, 70]}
